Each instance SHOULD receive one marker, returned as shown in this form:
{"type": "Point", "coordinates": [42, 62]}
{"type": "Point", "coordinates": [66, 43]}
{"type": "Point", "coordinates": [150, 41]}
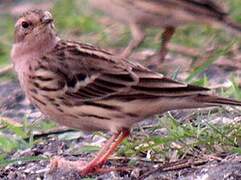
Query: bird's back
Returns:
{"type": "Point", "coordinates": [161, 12]}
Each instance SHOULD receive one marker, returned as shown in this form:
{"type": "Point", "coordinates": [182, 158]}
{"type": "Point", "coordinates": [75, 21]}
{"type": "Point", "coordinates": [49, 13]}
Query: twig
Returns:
{"type": "Point", "coordinates": [53, 131]}
{"type": "Point", "coordinates": [135, 159]}
{"type": "Point", "coordinates": [224, 62]}
{"type": "Point", "coordinates": [175, 166]}
{"type": "Point", "coordinates": [6, 69]}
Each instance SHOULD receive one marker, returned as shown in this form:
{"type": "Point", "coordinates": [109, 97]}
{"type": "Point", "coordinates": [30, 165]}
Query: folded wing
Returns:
{"type": "Point", "coordinates": [93, 74]}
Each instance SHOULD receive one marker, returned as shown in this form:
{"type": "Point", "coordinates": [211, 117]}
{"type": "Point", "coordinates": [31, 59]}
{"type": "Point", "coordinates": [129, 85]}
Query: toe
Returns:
{"type": "Point", "coordinates": [66, 165]}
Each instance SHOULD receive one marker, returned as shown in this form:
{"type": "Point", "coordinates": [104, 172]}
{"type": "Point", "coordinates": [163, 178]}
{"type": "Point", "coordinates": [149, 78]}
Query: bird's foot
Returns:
{"type": "Point", "coordinates": [81, 167]}
{"type": "Point", "coordinates": [63, 164]}
{"type": "Point", "coordinates": [94, 166]}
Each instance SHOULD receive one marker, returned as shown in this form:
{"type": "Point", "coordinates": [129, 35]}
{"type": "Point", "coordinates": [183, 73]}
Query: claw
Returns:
{"type": "Point", "coordinates": [84, 168]}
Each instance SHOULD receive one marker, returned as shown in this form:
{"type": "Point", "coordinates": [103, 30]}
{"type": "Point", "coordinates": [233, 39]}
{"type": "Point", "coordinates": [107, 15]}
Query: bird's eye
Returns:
{"type": "Point", "coordinates": [25, 24]}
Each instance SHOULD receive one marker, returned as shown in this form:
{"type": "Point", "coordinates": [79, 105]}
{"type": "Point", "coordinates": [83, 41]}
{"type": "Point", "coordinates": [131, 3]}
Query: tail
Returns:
{"type": "Point", "coordinates": [232, 26]}
{"type": "Point", "coordinates": [216, 100]}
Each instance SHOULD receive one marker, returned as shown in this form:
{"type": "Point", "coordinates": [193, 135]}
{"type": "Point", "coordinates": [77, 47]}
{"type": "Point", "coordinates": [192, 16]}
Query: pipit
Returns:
{"type": "Point", "coordinates": [87, 88]}
{"type": "Point", "coordinates": [167, 14]}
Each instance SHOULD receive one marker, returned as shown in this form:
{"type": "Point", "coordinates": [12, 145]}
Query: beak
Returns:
{"type": "Point", "coordinates": [47, 18]}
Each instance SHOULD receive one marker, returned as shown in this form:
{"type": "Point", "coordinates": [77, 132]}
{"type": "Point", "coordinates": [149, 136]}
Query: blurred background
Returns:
{"type": "Point", "coordinates": [191, 47]}
{"type": "Point", "coordinates": [199, 54]}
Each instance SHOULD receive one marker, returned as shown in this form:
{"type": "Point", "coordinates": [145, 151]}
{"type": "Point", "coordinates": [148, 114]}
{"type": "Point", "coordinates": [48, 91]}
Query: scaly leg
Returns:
{"type": "Point", "coordinates": [166, 37]}
{"type": "Point", "coordinates": [94, 165]}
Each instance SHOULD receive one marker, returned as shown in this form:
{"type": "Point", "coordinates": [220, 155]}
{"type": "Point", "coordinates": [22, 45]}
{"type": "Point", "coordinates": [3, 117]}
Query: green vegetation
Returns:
{"type": "Point", "coordinates": [14, 137]}
{"type": "Point", "coordinates": [6, 31]}
{"type": "Point", "coordinates": [185, 139]}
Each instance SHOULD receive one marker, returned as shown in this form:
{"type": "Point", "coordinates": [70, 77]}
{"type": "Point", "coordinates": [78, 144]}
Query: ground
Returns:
{"type": "Point", "coordinates": [185, 144]}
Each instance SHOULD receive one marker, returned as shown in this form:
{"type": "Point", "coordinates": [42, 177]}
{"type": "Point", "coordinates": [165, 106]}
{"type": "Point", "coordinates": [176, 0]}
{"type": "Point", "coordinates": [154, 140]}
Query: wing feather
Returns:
{"type": "Point", "coordinates": [89, 79]}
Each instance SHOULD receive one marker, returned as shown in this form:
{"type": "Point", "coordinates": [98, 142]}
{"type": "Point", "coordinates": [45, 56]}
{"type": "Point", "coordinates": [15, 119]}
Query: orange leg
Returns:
{"type": "Point", "coordinates": [138, 36]}
{"type": "Point", "coordinates": [84, 169]}
{"type": "Point", "coordinates": [106, 152]}
{"type": "Point", "coordinates": [166, 37]}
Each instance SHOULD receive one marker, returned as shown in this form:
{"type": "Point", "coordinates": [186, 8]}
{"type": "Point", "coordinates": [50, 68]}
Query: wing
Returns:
{"type": "Point", "coordinates": [91, 74]}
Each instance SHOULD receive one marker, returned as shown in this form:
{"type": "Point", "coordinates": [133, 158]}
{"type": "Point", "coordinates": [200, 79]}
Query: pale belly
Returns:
{"type": "Point", "coordinates": [87, 117]}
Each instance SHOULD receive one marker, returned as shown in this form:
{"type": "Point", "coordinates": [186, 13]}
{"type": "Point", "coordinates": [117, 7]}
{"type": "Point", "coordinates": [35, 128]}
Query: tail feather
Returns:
{"type": "Point", "coordinates": [216, 100]}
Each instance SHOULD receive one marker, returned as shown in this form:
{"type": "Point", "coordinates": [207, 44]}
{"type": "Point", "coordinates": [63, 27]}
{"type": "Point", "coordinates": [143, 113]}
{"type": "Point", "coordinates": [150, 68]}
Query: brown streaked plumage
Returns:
{"type": "Point", "coordinates": [167, 14]}
{"type": "Point", "coordinates": [81, 86]}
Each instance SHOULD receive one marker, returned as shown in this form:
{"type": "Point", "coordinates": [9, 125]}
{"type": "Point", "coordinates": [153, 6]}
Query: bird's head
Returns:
{"type": "Point", "coordinates": [34, 25]}
{"type": "Point", "coordinates": [34, 32]}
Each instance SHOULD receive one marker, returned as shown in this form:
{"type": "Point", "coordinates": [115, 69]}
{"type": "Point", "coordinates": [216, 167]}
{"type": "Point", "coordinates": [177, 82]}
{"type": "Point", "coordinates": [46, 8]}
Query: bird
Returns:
{"type": "Point", "coordinates": [166, 14]}
{"type": "Point", "coordinates": [88, 88]}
